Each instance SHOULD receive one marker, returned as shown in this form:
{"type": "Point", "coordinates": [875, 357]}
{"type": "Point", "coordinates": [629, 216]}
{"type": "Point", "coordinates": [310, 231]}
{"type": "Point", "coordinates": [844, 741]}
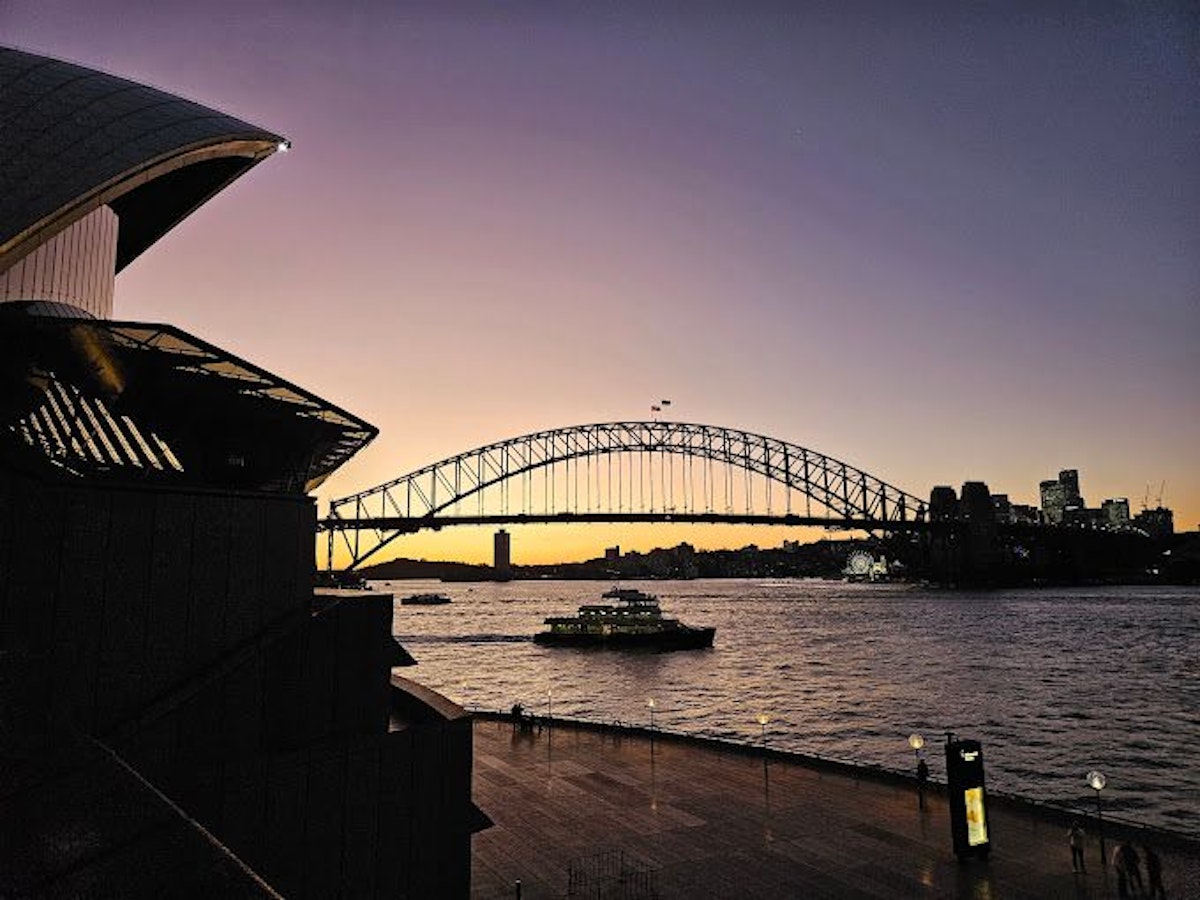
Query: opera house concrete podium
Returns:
{"type": "Point", "coordinates": [181, 712]}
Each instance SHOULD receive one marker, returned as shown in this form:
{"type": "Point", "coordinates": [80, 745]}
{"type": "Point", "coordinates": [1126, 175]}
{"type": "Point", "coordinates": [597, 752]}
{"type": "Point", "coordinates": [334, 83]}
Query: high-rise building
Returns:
{"type": "Point", "coordinates": [976, 502]}
{"type": "Point", "coordinates": [1157, 522]}
{"type": "Point", "coordinates": [1002, 508]}
{"type": "Point", "coordinates": [502, 553]}
{"type": "Point", "coordinates": [943, 504]}
{"type": "Point", "coordinates": [1069, 479]}
{"type": "Point", "coordinates": [1115, 512]}
{"type": "Point", "coordinates": [1062, 503]}
{"type": "Point", "coordinates": [1054, 501]}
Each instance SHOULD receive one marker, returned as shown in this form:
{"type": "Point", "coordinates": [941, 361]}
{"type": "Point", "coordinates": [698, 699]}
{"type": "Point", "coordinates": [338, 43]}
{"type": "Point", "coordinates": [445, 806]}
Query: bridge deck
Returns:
{"type": "Point", "coordinates": [699, 819]}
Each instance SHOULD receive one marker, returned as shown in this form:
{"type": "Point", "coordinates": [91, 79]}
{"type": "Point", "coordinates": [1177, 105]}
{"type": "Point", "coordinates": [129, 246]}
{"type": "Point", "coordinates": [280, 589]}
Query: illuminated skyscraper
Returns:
{"type": "Point", "coordinates": [1069, 479]}
{"type": "Point", "coordinates": [1116, 512]}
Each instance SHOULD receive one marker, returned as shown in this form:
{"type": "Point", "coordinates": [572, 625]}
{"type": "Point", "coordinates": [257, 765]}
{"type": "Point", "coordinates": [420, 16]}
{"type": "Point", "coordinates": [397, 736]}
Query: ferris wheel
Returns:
{"type": "Point", "coordinates": [859, 563]}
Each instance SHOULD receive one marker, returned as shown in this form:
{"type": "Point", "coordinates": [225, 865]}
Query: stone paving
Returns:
{"type": "Point", "coordinates": [588, 812]}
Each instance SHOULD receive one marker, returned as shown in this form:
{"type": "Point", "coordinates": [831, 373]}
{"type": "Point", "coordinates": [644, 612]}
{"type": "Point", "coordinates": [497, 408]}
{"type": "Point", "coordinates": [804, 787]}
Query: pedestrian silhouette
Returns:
{"type": "Point", "coordinates": [1118, 859]}
{"type": "Point", "coordinates": [1153, 874]}
{"type": "Point", "coordinates": [1075, 838]}
{"type": "Point", "coordinates": [1132, 866]}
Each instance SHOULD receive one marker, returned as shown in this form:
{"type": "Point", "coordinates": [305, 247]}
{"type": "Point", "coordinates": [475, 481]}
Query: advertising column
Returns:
{"type": "Point", "coordinates": [968, 798]}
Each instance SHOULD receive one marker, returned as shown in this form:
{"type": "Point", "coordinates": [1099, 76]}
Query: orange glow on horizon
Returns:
{"type": "Point", "coordinates": [549, 544]}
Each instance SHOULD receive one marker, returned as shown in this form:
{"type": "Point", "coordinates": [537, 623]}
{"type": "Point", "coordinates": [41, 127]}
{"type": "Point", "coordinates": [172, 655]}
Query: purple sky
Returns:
{"type": "Point", "coordinates": [939, 245]}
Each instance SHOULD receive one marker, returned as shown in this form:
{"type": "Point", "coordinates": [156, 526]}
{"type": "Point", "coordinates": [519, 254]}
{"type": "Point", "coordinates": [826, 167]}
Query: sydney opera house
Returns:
{"type": "Point", "coordinates": [181, 712]}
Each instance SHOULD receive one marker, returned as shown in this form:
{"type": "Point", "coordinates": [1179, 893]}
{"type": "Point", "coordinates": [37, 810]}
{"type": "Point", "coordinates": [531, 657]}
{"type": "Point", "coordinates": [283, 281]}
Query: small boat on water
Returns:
{"type": "Point", "coordinates": [424, 600]}
{"type": "Point", "coordinates": [635, 622]}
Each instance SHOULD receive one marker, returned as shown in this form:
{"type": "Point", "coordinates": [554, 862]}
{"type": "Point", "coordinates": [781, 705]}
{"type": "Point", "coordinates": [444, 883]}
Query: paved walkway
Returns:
{"type": "Point", "coordinates": [686, 819]}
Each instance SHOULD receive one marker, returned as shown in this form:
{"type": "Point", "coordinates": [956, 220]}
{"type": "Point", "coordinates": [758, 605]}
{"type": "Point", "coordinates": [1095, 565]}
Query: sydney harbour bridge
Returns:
{"type": "Point", "coordinates": [637, 471]}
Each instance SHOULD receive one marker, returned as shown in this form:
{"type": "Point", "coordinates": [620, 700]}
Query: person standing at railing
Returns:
{"type": "Point", "coordinates": [1075, 837]}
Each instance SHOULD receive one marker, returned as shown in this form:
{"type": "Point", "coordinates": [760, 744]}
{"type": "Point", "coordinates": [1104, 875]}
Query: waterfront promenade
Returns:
{"type": "Point", "coordinates": [682, 818]}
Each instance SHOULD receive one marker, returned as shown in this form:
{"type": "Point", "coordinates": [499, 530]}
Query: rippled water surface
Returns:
{"type": "Point", "coordinates": [1053, 682]}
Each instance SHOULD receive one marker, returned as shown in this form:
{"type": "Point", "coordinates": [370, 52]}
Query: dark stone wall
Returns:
{"type": "Point", "coordinates": [360, 818]}
{"type": "Point", "coordinates": [181, 629]}
{"type": "Point", "coordinates": [119, 596]}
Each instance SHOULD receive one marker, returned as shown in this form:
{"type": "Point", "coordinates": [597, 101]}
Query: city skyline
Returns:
{"type": "Point", "coordinates": [942, 246]}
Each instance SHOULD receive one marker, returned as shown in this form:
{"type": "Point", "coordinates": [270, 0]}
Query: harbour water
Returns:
{"type": "Point", "coordinates": [1053, 682]}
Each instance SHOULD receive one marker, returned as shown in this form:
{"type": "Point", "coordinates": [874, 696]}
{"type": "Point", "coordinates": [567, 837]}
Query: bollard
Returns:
{"type": "Point", "coordinates": [518, 886]}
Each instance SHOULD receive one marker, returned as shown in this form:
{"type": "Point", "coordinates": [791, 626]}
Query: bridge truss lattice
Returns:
{"type": "Point", "coordinates": [623, 472]}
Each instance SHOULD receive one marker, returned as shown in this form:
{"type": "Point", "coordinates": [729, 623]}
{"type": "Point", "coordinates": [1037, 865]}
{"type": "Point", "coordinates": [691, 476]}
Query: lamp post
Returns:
{"type": "Point", "coordinates": [1096, 781]}
{"type": "Point", "coordinates": [763, 719]}
{"type": "Point", "coordinates": [550, 707]}
{"type": "Point", "coordinates": [917, 741]}
{"type": "Point", "coordinates": [650, 706]}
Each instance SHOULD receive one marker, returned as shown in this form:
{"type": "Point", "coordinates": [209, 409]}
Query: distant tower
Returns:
{"type": "Point", "coordinates": [1069, 479]}
{"type": "Point", "coordinates": [943, 504]}
{"type": "Point", "coordinates": [976, 502]}
{"type": "Point", "coordinates": [1054, 501]}
{"type": "Point", "coordinates": [1060, 495]}
{"type": "Point", "coordinates": [502, 562]}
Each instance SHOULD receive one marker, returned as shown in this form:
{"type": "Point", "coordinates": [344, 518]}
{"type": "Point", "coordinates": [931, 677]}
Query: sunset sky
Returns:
{"type": "Point", "coordinates": [936, 241]}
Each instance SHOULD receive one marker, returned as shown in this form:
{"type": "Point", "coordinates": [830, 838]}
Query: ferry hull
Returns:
{"type": "Point", "coordinates": [424, 601]}
{"type": "Point", "coordinates": [676, 639]}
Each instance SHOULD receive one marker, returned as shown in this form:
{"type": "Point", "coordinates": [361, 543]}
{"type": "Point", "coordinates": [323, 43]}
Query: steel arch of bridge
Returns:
{"type": "Point", "coordinates": [851, 497]}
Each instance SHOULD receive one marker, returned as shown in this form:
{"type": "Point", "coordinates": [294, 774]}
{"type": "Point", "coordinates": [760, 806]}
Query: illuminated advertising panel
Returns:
{"type": "Point", "coordinates": [976, 819]}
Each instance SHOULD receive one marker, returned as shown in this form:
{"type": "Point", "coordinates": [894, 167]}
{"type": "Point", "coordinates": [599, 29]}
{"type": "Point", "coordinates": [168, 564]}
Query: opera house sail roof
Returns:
{"type": "Point", "coordinates": [93, 170]}
{"type": "Point", "coordinates": [73, 139]}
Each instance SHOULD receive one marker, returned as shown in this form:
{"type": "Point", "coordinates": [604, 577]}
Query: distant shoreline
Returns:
{"type": "Point", "coordinates": [823, 559]}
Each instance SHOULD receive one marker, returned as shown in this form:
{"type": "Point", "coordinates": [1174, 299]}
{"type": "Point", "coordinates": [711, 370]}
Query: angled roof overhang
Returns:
{"type": "Point", "coordinates": [73, 139]}
{"type": "Point", "coordinates": [146, 403]}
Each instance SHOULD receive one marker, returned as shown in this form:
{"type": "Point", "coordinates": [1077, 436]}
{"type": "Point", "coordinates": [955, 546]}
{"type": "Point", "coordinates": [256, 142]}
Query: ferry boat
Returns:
{"type": "Point", "coordinates": [635, 622]}
{"type": "Point", "coordinates": [424, 600]}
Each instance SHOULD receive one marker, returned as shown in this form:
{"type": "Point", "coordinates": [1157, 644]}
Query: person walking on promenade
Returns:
{"type": "Point", "coordinates": [1132, 866]}
{"type": "Point", "coordinates": [1154, 874]}
{"type": "Point", "coordinates": [1075, 837]}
